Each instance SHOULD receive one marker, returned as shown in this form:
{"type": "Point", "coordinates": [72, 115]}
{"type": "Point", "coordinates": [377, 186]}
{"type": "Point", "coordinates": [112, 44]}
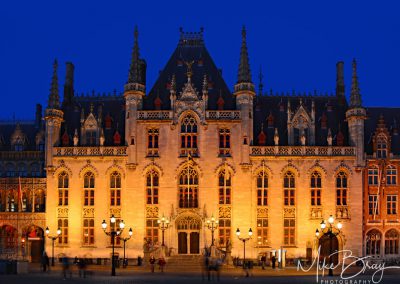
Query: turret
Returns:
{"type": "Point", "coordinates": [355, 117]}
{"type": "Point", "coordinates": [134, 91]}
{"type": "Point", "coordinates": [53, 117]}
{"type": "Point", "coordinates": [244, 92]}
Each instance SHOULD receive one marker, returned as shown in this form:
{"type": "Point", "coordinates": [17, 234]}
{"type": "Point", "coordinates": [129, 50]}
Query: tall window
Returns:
{"type": "Point", "coordinates": [224, 183]}
{"type": "Point", "coordinates": [224, 142]}
{"type": "Point", "coordinates": [63, 184]}
{"type": "Point", "coordinates": [391, 175]}
{"type": "Point", "coordinates": [151, 230]}
{"type": "Point", "coordinates": [381, 146]}
{"type": "Point", "coordinates": [224, 230]}
{"type": "Point", "coordinates": [316, 186]}
{"type": "Point", "coordinates": [373, 176]}
{"type": "Point", "coordinates": [188, 188]}
{"type": "Point", "coordinates": [373, 246]}
{"type": "Point", "coordinates": [152, 142]}
{"type": "Point", "coordinates": [289, 229]}
{"type": "Point", "coordinates": [373, 205]}
{"type": "Point", "coordinates": [262, 231]}
{"type": "Point", "coordinates": [391, 204]}
{"type": "Point", "coordinates": [115, 189]}
{"type": "Point", "coordinates": [189, 136]}
{"type": "Point", "coordinates": [152, 186]}
{"type": "Point", "coordinates": [289, 189]}
{"type": "Point", "coordinates": [392, 242]}
{"type": "Point", "coordinates": [91, 137]}
{"type": "Point", "coordinates": [89, 189]}
{"type": "Point", "coordinates": [115, 227]}
{"type": "Point", "coordinates": [88, 231]}
{"type": "Point", "coordinates": [262, 189]}
{"type": "Point", "coordinates": [63, 225]}
{"type": "Point", "coordinates": [341, 188]}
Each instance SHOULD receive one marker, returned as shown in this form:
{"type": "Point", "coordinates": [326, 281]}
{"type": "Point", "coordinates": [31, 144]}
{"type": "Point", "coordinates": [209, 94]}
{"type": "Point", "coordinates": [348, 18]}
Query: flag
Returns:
{"type": "Point", "coordinates": [19, 195]}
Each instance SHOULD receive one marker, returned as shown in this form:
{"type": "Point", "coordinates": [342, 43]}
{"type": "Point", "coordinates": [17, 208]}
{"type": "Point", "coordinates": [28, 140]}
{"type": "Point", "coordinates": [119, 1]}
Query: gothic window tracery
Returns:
{"type": "Point", "coordinates": [289, 189]}
{"type": "Point", "coordinates": [188, 188]}
{"type": "Point", "coordinates": [316, 186]}
{"type": "Point", "coordinates": [115, 189]}
{"type": "Point", "coordinates": [224, 142]}
{"type": "Point", "coordinates": [262, 188]}
{"type": "Point", "coordinates": [88, 191]}
{"type": "Point", "coordinates": [373, 246]}
{"type": "Point", "coordinates": [392, 242]}
{"type": "Point", "coordinates": [152, 186]}
{"type": "Point", "coordinates": [63, 185]}
{"type": "Point", "coordinates": [341, 188]}
{"type": "Point", "coordinates": [189, 136]}
{"type": "Point", "coordinates": [225, 187]}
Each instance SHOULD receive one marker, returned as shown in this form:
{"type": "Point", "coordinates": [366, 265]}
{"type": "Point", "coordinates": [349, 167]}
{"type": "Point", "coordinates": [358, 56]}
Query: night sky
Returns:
{"type": "Point", "coordinates": [296, 44]}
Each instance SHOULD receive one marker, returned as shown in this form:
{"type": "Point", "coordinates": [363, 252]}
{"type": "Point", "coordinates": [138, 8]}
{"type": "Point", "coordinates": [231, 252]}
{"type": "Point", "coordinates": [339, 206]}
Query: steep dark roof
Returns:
{"type": "Point", "coordinates": [28, 128]}
{"type": "Point", "coordinates": [113, 106]}
{"type": "Point", "coordinates": [190, 48]}
{"type": "Point", "coordinates": [277, 106]}
{"type": "Point", "coordinates": [392, 119]}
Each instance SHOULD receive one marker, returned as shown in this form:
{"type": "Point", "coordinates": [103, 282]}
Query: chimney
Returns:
{"type": "Point", "coordinates": [340, 82]}
{"type": "Point", "coordinates": [38, 117]}
{"type": "Point", "coordinates": [69, 83]}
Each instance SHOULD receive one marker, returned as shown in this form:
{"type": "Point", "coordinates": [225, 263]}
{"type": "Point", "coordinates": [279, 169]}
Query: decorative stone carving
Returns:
{"type": "Point", "coordinates": [88, 212]}
{"type": "Point", "coordinates": [316, 213]}
{"type": "Point", "coordinates": [224, 212]}
{"type": "Point", "coordinates": [62, 212]}
{"type": "Point", "coordinates": [151, 212]}
{"type": "Point", "coordinates": [262, 212]}
{"type": "Point", "coordinates": [289, 212]}
{"type": "Point", "coordinates": [116, 212]}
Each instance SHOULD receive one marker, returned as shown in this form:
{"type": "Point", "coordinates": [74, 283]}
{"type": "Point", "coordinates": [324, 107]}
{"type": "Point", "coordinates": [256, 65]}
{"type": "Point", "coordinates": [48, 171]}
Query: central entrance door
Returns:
{"type": "Point", "coordinates": [188, 234]}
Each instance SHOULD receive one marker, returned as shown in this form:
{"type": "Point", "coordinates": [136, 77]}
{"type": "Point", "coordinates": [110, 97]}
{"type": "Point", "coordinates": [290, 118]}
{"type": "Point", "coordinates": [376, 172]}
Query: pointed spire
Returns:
{"type": "Point", "coordinates": [54, 97]}
{"type": "Point", "coordinates": [355, 97]}
{"type": "Point", "coordinates": [260, 84]}
{"type": "Point", "coordinates": [244, 75]}
{"type": "Point", "coordinates": [137, 68]}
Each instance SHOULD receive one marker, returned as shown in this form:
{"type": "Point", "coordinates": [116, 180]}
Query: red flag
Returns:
{"type": "Point", "coordinates": [19, 195]}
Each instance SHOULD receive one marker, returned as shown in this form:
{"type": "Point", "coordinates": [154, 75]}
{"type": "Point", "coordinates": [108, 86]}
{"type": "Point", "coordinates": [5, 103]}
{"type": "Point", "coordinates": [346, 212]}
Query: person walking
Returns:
{"type": "Point", "coordinates": [152, 263]}
{"type": "Point", "coordinates": [263, 261]}
{"type": "Point", "coordinates": [161, 263]}
{"type": "Point", "coordinates": [273, 259]}
{"type": "Point", "coordinates": [45, 262]}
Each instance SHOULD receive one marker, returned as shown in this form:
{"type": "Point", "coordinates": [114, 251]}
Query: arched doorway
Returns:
{"type": "Point", "coordinates": [188, 228]}
{"type": "Point", "coordinates": [327, 248]}
{"type": "Point", "coordinates": [32, 242]}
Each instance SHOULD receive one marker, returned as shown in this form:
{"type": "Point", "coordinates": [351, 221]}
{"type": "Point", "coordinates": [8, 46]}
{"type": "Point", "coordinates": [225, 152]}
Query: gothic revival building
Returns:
{"type": "Point", "coordinates": [189, 149]}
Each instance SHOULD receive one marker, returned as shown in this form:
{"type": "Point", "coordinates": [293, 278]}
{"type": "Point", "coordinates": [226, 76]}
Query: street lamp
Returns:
{"type": "Point", "coordinates": [331, 231]}
{"type": "Point", "coordinates": [212, 224]}
{"type": "Point", "coordinates": [244, 240]}
{"type": "Point", "coordinates": [125, 240]}
{"type": "Point", "coordinates": [53, 238]}
{"type": "Point", "coordinates": [164, 224]}
{"type": "Point", "coordinates": [113, 233]}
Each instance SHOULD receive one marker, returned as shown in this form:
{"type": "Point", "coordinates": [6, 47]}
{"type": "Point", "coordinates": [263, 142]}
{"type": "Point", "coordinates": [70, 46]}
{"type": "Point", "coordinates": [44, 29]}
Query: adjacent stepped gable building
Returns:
{"type": "Point", "coordinates": [22, 188]}
{"type": "Point", "coordinates": [189, 149]}
{"type": "Point", "coordinates": [381, 192]}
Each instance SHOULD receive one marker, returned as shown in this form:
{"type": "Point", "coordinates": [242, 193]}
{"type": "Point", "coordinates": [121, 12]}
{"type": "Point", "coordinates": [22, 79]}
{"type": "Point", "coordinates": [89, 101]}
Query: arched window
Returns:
{"type": "Point", "coordinates": [316, 185]}
{"type": "Point", "coordinates": [392, 242]}
{"type": "Point", "coordinates": [152, 186]}
{"type": "Point", "coordinates": [289, 189]}
{"type": "Point", "coordinates": [373, 176]}
{"type": "Point", "coordinates": [63, 185]}
{"type": "Point", "coordinates": [88, 185]}
{"type": "Point", "coordinates": [391, 175]}
{"type": "Point", "coordinates": [115, 189]}
{"type": "Point", "coordinates": [373, 246]}
{"type": "Point", "coordinates": [262, 188]}
{"type": "Point", "coordinates": [381, 146]}
{"type": "Point", "coordinates": [189, 136]}
{"type": "Point", "coordinates": [188, 188]}
{"type": "Point", "coordinates": [341, 188]}
{"type": "Point", "coordinates": [224, 184]}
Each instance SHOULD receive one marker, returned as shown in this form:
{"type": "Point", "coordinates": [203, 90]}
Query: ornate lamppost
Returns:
{"type": "Point", "coordinates": [53, 238]}
{"type": "Point", "coordinates": [125, 240]}
{"type": "Point", "coordinates": [163, 223]}
{"type": "Point", "coordinates": [212, 224]}
{"type": "Point", "coordinates": [244, 240]}
{"type": "Point", "coordinates": [113, 233]}
{"type": "Point", "coordinates": [331, 231]}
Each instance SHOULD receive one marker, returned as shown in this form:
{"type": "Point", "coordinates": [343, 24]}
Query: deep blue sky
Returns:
{"type": "Point", "coordinates": [297, 43]}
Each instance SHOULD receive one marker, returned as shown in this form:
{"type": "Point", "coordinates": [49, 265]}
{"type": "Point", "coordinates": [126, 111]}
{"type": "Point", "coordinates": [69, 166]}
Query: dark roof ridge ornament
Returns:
{"type": "Point", "coordinates": [191, 38]}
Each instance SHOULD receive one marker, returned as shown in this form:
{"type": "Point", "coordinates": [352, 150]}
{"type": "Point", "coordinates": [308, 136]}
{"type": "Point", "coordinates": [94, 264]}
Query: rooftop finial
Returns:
{"type": "Point", "coordinates": [189, 72]}
{"type": "Point", "coordinates": [137, 70]}
{"type": "Point", "coordinates": [355, 97]}
{"type": "Point", "coordinates": [244, 81]}
{"type": "Point", "coordinates": [54, 98]}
